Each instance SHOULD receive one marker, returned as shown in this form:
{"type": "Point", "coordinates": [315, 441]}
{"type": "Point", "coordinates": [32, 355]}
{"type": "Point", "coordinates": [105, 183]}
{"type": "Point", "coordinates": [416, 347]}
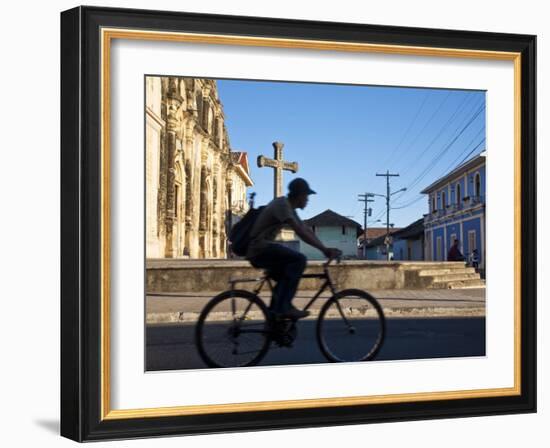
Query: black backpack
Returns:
{"type": "Point", "coordinates": [239, 235]}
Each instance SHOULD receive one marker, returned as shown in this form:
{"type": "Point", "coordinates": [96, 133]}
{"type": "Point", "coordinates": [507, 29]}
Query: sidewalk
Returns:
{"type": "Point", "coordinates": [185, 307]}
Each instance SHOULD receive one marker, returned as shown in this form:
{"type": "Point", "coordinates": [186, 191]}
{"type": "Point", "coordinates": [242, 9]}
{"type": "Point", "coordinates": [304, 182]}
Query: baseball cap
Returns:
{"type": "Point", "coordinates": [299, 186]}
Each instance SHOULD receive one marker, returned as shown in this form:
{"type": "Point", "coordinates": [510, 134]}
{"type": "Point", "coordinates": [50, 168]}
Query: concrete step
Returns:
{"type": "Point", "coordinates": [443, 271]}
{"type": "Point", "coordinates": [454, 277]}
{"type": "Point", "coordinates": [459, 284]}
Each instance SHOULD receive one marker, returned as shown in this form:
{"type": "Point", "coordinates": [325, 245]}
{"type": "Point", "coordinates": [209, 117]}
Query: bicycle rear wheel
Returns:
{"type": "Point", "coordinates": [351, 327]}
{"type": "Point", "coordinates": [233, 330]}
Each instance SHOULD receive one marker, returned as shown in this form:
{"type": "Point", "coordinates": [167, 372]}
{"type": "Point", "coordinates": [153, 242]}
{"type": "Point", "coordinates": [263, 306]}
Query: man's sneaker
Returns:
{"type": "Point", "coordinates": [295, 313]}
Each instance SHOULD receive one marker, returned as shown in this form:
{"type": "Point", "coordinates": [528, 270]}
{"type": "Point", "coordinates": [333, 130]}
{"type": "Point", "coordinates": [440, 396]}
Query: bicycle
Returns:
{"type": "Point", "coordinates": [236, 328]}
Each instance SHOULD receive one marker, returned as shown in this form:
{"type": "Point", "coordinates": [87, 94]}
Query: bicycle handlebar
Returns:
{"type": "Point", "coordinates": [329, 260]}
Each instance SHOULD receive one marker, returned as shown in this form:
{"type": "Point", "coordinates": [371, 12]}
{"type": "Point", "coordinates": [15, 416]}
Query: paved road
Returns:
{"type": "Point", "coordinates": [171, 346]}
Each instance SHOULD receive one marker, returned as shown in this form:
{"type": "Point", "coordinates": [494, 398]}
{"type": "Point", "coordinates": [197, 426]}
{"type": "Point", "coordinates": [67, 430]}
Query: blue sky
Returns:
{"type": "Point", "coordinates": [342, 135]}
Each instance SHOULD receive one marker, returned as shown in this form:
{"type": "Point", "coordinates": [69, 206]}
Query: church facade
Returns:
{"type": "Point", "coordinates": [195, 183]}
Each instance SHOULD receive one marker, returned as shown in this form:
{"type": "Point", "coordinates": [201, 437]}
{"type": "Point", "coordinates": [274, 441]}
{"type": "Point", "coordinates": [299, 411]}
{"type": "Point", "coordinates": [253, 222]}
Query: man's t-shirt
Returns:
{"type": "Point", "coordinates": [271, 220]}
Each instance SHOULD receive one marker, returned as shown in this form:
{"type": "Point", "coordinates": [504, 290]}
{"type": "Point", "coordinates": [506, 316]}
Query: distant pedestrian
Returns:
{"type": "Point", "coordinates": [454, 253]}
{"type": "Point", "coordinates": [474, 259]}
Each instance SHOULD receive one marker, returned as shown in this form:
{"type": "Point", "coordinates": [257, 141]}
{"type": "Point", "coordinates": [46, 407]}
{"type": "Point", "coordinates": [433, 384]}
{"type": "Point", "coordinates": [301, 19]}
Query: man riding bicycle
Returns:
{"type": "Point", "coordinates": [283, 264]}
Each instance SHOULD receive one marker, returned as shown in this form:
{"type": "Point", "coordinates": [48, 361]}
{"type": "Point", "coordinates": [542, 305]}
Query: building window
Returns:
{"type": "Point", "coordinates": [176, 200]}
{"type": "Point", "coordinates": [443, 200]}
{"type": "Point", "coordinates": [477, 185]}
{"type": "Point", "coordinates": [216, 129]}
{"type": "Point", "coordinates": [433, 204]}
{"type": "Point", "coordinates": [313, 229]}
{"type": "Point", "coordinates": [458, 194]}
{"type": "Point", "coordinates": [200, 114]}
{"type": "Point", "coordinates": [438, 249]}
{"type": "Point", "coordinates": [343, 230]}
{"type": "Point", "coordinates": [206, 115]}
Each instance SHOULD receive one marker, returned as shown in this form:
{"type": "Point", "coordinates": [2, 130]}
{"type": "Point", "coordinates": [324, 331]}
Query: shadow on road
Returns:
{"type": "Point", "coordinates": [172, 347]}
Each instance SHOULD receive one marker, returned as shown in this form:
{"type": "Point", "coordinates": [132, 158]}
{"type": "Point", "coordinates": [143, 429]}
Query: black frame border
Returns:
{"type": "Point", "coordinates": [81, 223]}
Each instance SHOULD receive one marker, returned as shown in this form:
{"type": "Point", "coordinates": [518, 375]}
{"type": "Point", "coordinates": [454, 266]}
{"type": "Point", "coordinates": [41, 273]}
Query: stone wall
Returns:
{"type": "Point", "coordinates": [212, 275]}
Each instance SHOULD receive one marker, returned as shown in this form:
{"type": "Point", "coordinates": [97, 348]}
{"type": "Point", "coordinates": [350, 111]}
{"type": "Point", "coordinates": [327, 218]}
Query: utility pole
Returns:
{"type": "Point", "coordinates": [387, 175]}
{"type": "Point", "coordinates": [366, 199]}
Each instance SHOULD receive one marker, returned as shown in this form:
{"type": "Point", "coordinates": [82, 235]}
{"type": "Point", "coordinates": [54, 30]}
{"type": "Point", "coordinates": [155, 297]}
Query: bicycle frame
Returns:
{"type": "Point", "coordinates": [278, 330]}
{"type": "Point", "coordinates": [267, 279]}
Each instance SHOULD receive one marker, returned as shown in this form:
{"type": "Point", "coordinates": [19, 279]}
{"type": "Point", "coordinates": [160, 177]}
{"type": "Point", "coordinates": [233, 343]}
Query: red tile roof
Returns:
{"type": "Point", "coordinates": [376, 232]}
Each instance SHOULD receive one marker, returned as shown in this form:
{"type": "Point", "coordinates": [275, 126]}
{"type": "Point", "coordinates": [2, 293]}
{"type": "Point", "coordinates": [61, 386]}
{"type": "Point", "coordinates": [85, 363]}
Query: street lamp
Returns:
{"type": "Point", "coordinates": [398, 191]}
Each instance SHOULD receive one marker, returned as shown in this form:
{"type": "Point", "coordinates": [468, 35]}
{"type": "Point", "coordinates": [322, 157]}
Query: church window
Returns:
{"type": "Point", "coordinates": [199, 107]}
{"type": "Point", "coordinates": [206, 112]}
{"type": "Point", "coordinates": [216, 131]}
{"type": "Point", "coordinates": [176, 200]}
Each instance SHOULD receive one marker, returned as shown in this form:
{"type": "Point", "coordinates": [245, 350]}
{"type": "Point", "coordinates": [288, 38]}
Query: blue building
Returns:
{"type": "Point", "coordinates": [457, 211]}
{"type": "Point", "coordinates": [377, 247]}
{"type": "Point", "coordinates": [408, 243]}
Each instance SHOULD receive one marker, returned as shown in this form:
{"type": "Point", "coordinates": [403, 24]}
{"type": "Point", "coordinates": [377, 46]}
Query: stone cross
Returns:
{"type": "Point", "coordinates": [278, 165]}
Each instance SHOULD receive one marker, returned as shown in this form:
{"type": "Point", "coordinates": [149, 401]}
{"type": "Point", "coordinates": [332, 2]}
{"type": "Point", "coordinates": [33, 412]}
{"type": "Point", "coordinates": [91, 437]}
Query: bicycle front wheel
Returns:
{"type": "Point", "coordinates": [351, 327]}
{"type": "Point", "coordinates": [233, 330]}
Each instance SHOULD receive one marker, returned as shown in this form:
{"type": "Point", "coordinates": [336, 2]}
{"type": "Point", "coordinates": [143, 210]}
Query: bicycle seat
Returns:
{"type": "Point", "coordinates": [269, 274]}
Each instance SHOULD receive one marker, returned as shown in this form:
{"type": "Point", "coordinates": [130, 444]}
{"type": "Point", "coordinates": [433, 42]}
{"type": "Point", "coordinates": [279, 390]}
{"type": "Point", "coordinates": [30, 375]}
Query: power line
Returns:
{"type": "Point", "coordinates": [482, 130]}
{"type": "Point", "coordinates": [380, 214]}
{"type": "Point", "coordinates": [457, 111]}
{"type": "Point", "coordinates": [453, 162]}
{"type": "Point", "coordinates": [355, 210]}
{"type": "Point", "coordinates": [436, 159]}
{"type": "Point", "coordinates": [410, 203]}
{"type": "Point", "coordinates": [446, 171]}
{"type": "Point", "coordinates": [470, 153]}
{"type": "Point", "coordinates": [462, 105]}
{"type": "Point", "coordinates": [388, 159]}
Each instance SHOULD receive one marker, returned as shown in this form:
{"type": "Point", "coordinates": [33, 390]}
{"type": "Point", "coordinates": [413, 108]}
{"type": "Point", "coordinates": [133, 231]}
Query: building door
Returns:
{"type": "Point", "coordinates": [428, 248]}
{"type": "Point", "coordinates": [471, 242]}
